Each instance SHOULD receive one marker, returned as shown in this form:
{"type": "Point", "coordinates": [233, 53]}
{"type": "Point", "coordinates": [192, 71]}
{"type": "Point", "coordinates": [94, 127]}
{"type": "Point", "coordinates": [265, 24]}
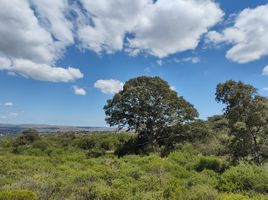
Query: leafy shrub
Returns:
{"type": "Point", "coordinates": [41, 144]}
{"type": "Point", "coordinates": [18, 195]}
{"type": "Point", "coordinates": [95, 153]}
{"type": "Point", "coordinates": [135, 145]}
{"type": "Point", "coordinates": [27, 137]}
{"type": "Point", "coordinates": [5, 143]}
{"type": "Point", "coordinates": [245, 177]}
{"type": "Point", "coordinates": [86, 143]}
{"type": "Point", "coordinates": [230, 196]}
{"type": "Point", "coordinates": [129, 147]}
{"type": "Point", "coordinates": [212, 163]}
{"type": "Point", "coordinates": [69, 172]}
{"type": "Point", "coordinates": [107, 142]}
{"type": "Point", "coordinates": [201, 192]}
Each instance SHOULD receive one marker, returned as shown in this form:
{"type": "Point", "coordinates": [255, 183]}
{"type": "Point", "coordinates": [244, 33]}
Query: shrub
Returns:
{"type": "Point", "coordinates": [18, 195]}
{"type": "Point", "coordinates": [95, 153]}
{"type": "Point", "coordinates": [27, 137]}
{"type": "Point", "coordinates": [244, 177]}
{"type": "Point", "coordinates": [230, 196]}
{"type": "Point", "coordinates": [211, 163]}
{"type": "Point", "coordinates": [85, 143]}
{"type": "Point", "coordinates": [41, 144]}
{"type": "Point", "coordinates": [200, 192]}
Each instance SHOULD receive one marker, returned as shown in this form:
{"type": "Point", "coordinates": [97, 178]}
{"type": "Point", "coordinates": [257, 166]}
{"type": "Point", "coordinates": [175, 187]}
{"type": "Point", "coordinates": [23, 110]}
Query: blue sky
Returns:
{"type": "Point", "coordinates": [60, 62]}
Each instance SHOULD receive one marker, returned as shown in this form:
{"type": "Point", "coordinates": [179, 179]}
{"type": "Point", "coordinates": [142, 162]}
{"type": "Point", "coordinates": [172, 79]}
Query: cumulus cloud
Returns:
{"type": "Point", "coordinates": [168, 27]}
{"type": "Point", "coordinates": [109, 86]}
{"type": "Point", "coordinates": [8, 104]}
{"type": "Point", "coordinates": [248, 35]}
{"type": "Point", "coordinates": [43, 72]}
{"type": "Point", "coordinates": [27, 45]}
{"type": "Point", "coordinates": [159, 28]}
{"type": "Point", "coordinates": [38, 32]}
{"type": "Point", "coordinates": [21, 35]}
{"type": "Point", "coordinates": [54, 17]}
{"type": "Point", "coordinates": [111, 20]}
{"type": "Point", "coordinates": [5, 63]}
{"type": "Point", "coordinates": [79, 91]}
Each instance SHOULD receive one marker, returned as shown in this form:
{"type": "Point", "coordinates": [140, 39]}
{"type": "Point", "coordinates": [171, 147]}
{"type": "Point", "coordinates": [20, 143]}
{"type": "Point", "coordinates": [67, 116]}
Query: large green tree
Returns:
{"type": "Point", "coordinates": [247, 114]}
{"type": "Point", "coordinates": [147, 105]}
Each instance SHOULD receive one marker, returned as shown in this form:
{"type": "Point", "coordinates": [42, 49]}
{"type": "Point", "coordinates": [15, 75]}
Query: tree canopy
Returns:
{"type": "Point", "coordinates": [148, 105]}
{"type": "Point", "coordinates": [28, 136]}
{"type": "Point", "coordinates": [247, 114]}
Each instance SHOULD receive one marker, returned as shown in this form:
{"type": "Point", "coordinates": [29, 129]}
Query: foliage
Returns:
{"type": "Point", "coordinates": [247, 114]}
{"type": "Point", "coordinates": [211, 163]}
{"type": "Point", "coordinates": [245, 177]}
{"type": "Point", "coordinates": [56, 167]}
{"type": "Point", "coordinates": [18, 195]}
{"type": "Point", "coordinates": [148, 106]}
{"type": "Point", "coordinates": [27, 137]}
{"type": "Point", "coordinates": [170, 156]}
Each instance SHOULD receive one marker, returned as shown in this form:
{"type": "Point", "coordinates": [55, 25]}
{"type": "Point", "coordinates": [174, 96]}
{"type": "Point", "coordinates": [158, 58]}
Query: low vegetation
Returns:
{"type": "Point", "coordinates": [168, 154]}
{"type": "Point", "coordinates": [85, 166]}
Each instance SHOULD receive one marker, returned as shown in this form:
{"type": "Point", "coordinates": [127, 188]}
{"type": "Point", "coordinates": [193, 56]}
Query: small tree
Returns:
{"type": "Point", "coordinates": [147, 105]}
{"type": "Point", "coordinates": [247, 115]}
{"type": "Point", "coordinates": [28, 136]}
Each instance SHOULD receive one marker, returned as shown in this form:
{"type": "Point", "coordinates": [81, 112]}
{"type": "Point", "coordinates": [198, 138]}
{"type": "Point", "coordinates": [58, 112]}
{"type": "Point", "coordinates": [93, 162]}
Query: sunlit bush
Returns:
{"type": "Point", "coordinates": [18, 195]}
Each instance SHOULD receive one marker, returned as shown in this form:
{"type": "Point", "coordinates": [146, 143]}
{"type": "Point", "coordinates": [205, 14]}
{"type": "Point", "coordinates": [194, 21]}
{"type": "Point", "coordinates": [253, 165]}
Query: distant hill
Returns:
{"type": "Point", "coordinates": [17, 128]}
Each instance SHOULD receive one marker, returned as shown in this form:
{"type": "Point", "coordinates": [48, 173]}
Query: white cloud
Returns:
{"type": "Point", "coordinates": [79, 91]}
{"type": "Point", "coordinates": [161, 28]}
{"type": "Point", "coordinates": [167, 27]}
{"type": "Point", "coordinates": [37, 71]}
{"type": "Point", "coordinates": [27, 45]}
{"type": "Point", "coordinates": [54, 17]}
{"type": "Point", "coordinates": [21, 35]}
{"type": "Point", "coordinates": [8, 104]}
{"type": "Point", "coordinates": [109, 86]}
{"type": "Point", "coordinates": [111, 21]}
{"type": "Point", "coordinates": [35, 34]}
{"type": "Point", "coordinates": [193, 60]}
{"type": "Point", "coordinates": [4, 63]}
{"type": "Point", "coordinates": [265, 70]}
{"type": "Point", "coordinates": [248, 35]}
{"type": "Point", "coordinates": [44, 72]}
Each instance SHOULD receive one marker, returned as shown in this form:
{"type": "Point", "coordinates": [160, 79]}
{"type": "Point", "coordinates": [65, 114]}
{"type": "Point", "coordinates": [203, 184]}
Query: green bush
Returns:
{"type": "Point", "coordinates": [230, 196]}
{"type": "Point", "coordinates": [245, 177]}
{"type": "Point", "coordinates": [86, 143]}
{"type": "Point", "coordinates": [95, 153]}
{"type": "Point", "coordinates": [27, 137]}
{"type": "Point", "coordinates": [18, 195]}
{"type": "Point", "coordinates": [55, 167]}
{"type": "Point", "coordinates": [211, 163]}
{"type": "Point", "coordinates": [201, 192]}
